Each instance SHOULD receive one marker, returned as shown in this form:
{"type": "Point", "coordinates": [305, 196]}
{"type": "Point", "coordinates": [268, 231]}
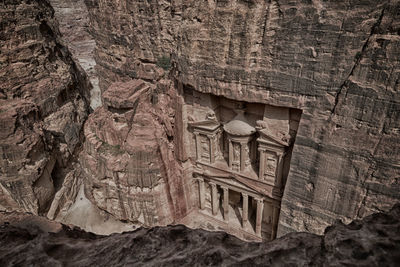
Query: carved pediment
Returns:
{"type": "Point", "coordinates": [207, 125]}
{"type": "Point", "coordinates": [267, 137]}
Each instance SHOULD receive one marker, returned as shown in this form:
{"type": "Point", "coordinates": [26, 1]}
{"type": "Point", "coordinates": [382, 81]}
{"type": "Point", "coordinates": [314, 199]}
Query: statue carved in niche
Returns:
{"type": "Point", "coordinates": [236, 157]}
{"type": "Point", "coordinates": [270, 165]}
{"type": "Point", "coordinates": [247, 156]}
{"type": "Point", "coordinates": [236, 152]}
{"type": "Point", "coordinates": [205, 148]}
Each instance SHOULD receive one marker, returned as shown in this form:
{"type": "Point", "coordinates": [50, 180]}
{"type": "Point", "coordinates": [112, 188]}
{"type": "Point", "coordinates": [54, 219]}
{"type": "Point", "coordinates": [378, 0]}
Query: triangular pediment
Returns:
{"type": "Point", "coordinates": [205, 125]}
{"type": "Point", "coordinates": [267, 137]}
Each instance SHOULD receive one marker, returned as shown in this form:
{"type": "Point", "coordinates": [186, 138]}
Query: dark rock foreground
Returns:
{"type": "Point", "coordinates": [27, 240]}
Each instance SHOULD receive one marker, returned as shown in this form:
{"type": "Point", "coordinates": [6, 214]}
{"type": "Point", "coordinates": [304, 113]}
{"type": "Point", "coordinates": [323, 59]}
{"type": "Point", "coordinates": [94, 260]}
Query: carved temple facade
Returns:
{"type": "Point", "coordinates": [240, 154]}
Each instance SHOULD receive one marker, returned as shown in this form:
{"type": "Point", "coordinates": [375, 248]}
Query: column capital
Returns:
{"type": "Point", "coordinates": [224, 187]}
{"type": "Point", "coordinates": [212, 183]}
{"type": "Point", "coordinates": [245, 194]}
{"type": "Point", "coordinates": [259, 199]}
{"type": "Point", "coordinates": [212, 136]}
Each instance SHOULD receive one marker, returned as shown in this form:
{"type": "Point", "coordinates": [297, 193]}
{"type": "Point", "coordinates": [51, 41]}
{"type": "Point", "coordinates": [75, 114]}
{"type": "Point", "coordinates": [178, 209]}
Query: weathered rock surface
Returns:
{"type": "Point", "coordinates": [127, 157]}
{"type": "Point", "coordinates": [337, 62]}
{"type": "Point", "coordinates": [73, 19]}
{"type": "Point", "coordinates": [27, 241]}
{"type": "Point", "coordinates": [43, 104]}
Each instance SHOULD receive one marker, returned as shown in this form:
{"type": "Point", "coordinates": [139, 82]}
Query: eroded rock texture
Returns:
{"type": "Point", "coordinates": [26, 241]}
{"type": "Point", "coordinates": [127, 157]}
{"type": "Point", "coordinates": [43, 104]}
{"type": "Point", "coordinates": [73, 18]}
{"type": "Point", "coordinates": [336, 61]}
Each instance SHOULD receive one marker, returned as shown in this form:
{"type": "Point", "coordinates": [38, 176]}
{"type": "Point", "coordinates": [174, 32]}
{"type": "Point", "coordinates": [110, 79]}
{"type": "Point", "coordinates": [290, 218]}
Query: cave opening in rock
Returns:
{"type": "Point", "coordinates": [241, 155]}
{"type": "Point", "coordinates": [57, 175]}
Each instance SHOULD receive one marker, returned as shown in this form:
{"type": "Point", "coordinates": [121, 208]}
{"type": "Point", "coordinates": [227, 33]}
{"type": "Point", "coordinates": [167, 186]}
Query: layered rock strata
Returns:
{"type": "Point", "coordinates": [26, 240]}
{"type": "Point", "coordinates": [43, 105]}
{"type": "Point", "coordinates": [73, 19]}
{"type": "Point", "coordinates": [337, 62]}
{"type": "Point", "coordinates": [127, 158]}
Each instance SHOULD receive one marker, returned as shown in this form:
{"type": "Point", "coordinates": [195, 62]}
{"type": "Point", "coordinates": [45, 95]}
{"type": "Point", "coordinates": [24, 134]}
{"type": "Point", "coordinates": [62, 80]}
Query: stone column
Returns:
{"type": "Point", "coordinates": [226, 203]}
{"type": "Point", "coordinates": [242, 155]}
{"type": "Point", "coordinates": [262, 164]}
{"type": "Point", "coordinates": [215, 201]}
{"type": "Point", "coordinates": [278, 182]}
{"type": "Point", "coordinates": [212, 148]}
{"type": "Point", "coordinates": [245, 209]}
{"type": "Point", "coordinates": [230, 157]}
{"type": "Point", "coordinates": [201, 193]}
{"type": "Point", "coordinates": [275, 216]}
{"type": "Point", "coordinates": [260, 208]}
{"type": "Point", "coordinates": [198, 146]}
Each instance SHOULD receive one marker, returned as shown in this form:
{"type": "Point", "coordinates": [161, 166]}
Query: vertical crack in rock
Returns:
{"type": "Point", "coordinates": [42, 109]}
{"type": "Point", "coordinates": [297, 53]}
{"type": "Point", "coordinates": [73, 19]}
{"type": "Point", "coordinates": [130, 164]}
{"type": "Point", "coordinates": [358, 58]}
{"type": "Point", "coordinates": [120, 200]}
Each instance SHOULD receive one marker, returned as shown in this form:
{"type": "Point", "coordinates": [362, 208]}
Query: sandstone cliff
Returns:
{"type": "Point", "coordinates": [127, 157]}
{"type": "Point", "coordinates": [27, 240]}
{"type": "Point", "coordinates": [336, 61]}
{"type": "Point", "coordinates": [73, 19]}
{"type": "Point", "coordinates": [43, 105]}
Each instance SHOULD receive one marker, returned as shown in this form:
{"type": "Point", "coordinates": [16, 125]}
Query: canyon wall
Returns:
{"type": "Point", "coordinates": [338, 62]}
{"type": "Point", "coordinates": [73, 19]}
{"type": "Point", "coordinates": [127, 157]}
{"type": "Point", "coordinates": [43, 104]}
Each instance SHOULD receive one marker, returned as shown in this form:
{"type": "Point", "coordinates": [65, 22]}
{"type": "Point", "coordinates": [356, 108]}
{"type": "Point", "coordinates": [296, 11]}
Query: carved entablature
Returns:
{"type": "Point", "coordinates": [272, 151]}
{"type": "Point", "coordinates": [207, 134]}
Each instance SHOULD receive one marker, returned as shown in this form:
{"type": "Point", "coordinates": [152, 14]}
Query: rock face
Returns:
{"type": "Point", "coordinates": [127, 157]}
{"type": "Point", "coordinates": [43, 104]}
{"type": "Point", "coordinates": [336, 62]}
{"type": "Point", "coordinates": [73, 19]}
{"type": "Point", "coordinates": [321, 76]}
{"type": "Point", "coordinates": [26, 240]}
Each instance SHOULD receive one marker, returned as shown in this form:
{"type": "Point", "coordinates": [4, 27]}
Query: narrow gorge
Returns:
{"type": "Point", "coordinates": [255, 118]}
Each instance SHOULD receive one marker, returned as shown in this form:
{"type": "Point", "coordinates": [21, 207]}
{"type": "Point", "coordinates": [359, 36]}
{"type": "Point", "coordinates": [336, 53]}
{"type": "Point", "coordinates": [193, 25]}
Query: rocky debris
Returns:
{"type": "Point", "coordinates": [73, 19]}
{"type": "Point", "coordinates": [43, 104]}
{"type": "Point", "coordinates": [26, 240]}
{"type": "Point", "coordinates": [337, 62]}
